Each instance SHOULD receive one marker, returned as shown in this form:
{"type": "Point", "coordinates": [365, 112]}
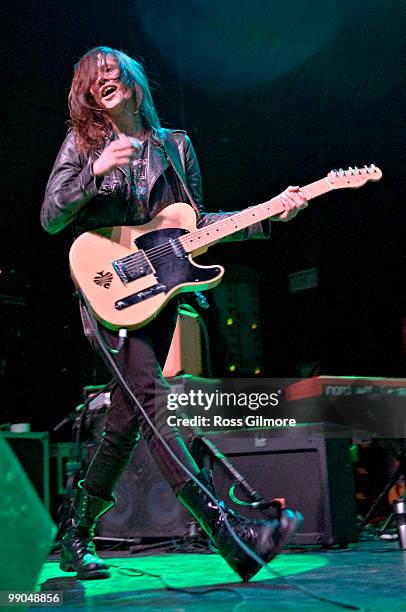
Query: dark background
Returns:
{"type": "Point", "coordinates": [271, 95]}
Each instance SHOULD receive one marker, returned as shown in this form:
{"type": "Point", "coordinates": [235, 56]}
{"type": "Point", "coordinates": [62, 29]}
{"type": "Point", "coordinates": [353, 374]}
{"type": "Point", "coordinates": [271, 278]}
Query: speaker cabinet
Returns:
{"type": "Point", "coordinates": [313, 474]}
{"type": "Point", "coordinates": [146, 505]}
{"type": "Point", "coordinates": [26, 530]}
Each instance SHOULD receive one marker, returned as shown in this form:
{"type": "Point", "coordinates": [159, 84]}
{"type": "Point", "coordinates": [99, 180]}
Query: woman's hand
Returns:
{"type": "Point", "coordinates": [293, 201]}
{"type": "Point", "coordinates": [118, 153]}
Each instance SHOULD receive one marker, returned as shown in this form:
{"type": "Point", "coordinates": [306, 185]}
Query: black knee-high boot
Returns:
{"type": "Point", "coordinates": [78, 549]}
{"type": "Point", "coordinates": [265, 537]}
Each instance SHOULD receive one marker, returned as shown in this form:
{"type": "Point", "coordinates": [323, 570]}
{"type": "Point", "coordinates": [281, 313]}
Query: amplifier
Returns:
{"type": "Point", "coordinates": [185, 352]}
{"type": "Point", "coordinates": [312, 473]}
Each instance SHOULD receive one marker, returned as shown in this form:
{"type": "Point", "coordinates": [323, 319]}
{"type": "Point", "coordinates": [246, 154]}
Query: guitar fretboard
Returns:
{"type": "Point", "coordinates": [214, 232]}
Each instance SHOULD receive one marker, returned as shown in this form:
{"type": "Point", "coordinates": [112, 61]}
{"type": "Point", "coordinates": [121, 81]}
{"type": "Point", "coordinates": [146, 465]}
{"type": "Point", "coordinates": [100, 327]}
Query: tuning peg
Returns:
{"type": "Point", "coordinates": [341, 172]}
{"type": "Point", "coordinates": [356, 170]}
{"type": "Point", "coordinates": [366, 169]}
{"type": "Point", "coordinates": [350, 170]}
{"type": "Point", "coordinates": [373, 167]}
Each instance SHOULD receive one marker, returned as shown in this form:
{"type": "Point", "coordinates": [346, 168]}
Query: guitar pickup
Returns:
{"type": "Point", "coordinates": [133, 267]}
{"type": "Point", "coordinates": [140, 296]}
{"type": "Point", "coordinates": [177, 248]}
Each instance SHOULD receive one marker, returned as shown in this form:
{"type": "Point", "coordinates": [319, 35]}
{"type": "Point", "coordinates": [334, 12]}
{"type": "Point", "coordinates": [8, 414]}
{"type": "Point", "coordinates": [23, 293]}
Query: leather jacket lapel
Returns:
{"type": "Point", "coordinates": [172, 153]}
{"type": "Point", "coordinates": [156, 164]}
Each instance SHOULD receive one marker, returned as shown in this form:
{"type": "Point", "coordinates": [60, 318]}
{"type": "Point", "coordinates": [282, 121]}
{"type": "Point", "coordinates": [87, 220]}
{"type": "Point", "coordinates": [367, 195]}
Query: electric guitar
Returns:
{"type": "Point", "coordinates": [127, 274]}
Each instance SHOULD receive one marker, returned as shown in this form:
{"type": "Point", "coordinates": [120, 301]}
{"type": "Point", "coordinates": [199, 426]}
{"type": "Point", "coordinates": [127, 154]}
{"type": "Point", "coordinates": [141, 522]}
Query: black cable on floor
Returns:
{"type": "Point", "coordinates": [303, 590]}
{"type": "Point", "coordinates": [137, 573]}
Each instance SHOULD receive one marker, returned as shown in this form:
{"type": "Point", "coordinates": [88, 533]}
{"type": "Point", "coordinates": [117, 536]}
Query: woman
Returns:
{"type": "Point", "coordinates": [117, 166]}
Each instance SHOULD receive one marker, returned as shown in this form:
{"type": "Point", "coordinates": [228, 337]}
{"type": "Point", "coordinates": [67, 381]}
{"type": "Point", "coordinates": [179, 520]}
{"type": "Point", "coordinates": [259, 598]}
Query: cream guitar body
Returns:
{"type": "Point", "coordinates": [128, 274]}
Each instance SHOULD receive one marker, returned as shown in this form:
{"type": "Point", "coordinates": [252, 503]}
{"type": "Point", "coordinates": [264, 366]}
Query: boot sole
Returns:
{"type": "Point", "coordinates": [288, 526]}
{"type": "Point", "coordinates": [91, 575]}
{"type": "Point", "coordinates": [96, 575]}
{"type": "Point", "coordinates": [287, 529]}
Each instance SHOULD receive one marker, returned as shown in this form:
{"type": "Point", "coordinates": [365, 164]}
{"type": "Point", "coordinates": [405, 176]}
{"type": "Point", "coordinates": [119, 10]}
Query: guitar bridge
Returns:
{"type": "Point", "coordinates": [132, 267]}
{"type": "Point", "coordinates": [140, 296]}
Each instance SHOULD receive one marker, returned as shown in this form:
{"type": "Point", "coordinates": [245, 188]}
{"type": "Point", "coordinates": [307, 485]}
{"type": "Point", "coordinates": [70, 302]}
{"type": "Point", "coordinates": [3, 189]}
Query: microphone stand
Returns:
{"type": "Point", "coordinates": [206, 450]}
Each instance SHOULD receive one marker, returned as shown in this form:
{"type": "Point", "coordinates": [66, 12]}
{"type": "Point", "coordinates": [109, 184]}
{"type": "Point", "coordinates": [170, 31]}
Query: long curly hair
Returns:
{"type": "Point", "coordinates": [90, 125]}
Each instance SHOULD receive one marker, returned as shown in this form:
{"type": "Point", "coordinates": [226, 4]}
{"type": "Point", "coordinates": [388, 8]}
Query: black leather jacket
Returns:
{"type": "Point", "coordinates": [75, 197]}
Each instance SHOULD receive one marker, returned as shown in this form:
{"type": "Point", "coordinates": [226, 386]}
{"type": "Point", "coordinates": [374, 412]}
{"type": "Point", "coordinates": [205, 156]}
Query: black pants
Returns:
{"type": "Point", "coordinates": [140, 362]}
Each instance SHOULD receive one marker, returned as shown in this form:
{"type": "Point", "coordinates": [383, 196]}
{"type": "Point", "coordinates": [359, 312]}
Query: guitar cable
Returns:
{"type": "Point", "coordinates": [120, 379]}
{"type": "Point", "coordinates": [122, 337]}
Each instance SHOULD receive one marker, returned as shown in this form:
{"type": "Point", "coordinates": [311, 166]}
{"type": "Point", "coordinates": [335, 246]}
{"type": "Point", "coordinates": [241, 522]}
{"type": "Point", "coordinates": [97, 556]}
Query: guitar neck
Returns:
{"type": "Point", "coordinates": [214, 232]}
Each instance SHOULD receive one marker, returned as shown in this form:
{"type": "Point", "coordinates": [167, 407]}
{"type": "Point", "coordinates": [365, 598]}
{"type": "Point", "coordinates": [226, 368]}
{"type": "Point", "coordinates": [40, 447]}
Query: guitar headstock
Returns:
{"type": "Point", "coordinates": [353, 177]}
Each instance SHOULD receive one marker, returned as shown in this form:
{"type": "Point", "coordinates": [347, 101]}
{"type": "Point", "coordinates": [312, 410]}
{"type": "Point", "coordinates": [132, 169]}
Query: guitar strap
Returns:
{"type": "Point", "coordinates": [172, 155]}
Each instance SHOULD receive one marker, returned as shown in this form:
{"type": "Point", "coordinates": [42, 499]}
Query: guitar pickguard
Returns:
{"type": "Point", "coordinates": [159, 252]}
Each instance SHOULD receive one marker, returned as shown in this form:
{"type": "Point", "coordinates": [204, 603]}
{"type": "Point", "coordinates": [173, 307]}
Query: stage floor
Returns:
{"type": "Point", "coordinates": [368, 576]}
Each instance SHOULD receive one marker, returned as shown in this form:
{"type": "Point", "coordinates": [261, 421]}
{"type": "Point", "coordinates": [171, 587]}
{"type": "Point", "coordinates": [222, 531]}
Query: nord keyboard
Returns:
{"type": "Point", "coordinates": [374, 406]}
{"type": "Point", "coordinates": [336, 386]}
